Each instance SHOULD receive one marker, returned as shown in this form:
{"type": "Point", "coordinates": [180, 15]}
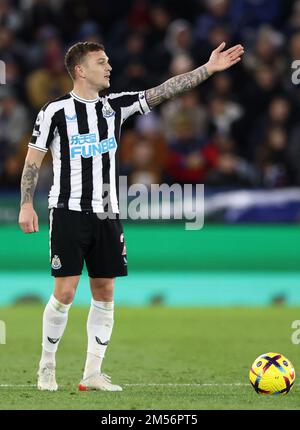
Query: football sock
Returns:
{"type": "Point", "coordinates": [99, 328]}
{"type": "Point", "coordinates": [92, 365]}
{"type": "Point", "coordinates": [54, 323]}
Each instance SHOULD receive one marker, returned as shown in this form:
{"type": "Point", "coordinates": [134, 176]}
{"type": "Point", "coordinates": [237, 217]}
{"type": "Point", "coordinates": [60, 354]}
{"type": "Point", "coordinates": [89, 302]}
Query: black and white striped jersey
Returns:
{"type": "Point", "coordinates": [83, 136]}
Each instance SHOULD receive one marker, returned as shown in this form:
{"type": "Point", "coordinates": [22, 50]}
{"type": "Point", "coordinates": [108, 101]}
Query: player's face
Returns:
{"type": "Point", "coordinates": [97, 69]}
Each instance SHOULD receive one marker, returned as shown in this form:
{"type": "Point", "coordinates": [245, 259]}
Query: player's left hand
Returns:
{"type": "Point", "coordinates": [222, 60]}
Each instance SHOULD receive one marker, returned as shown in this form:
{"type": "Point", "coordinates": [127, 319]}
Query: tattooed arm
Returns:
{"type": "Point", "coordinates": [177, 85]}
{"type": "Point", "coordinates": [28, 218]}
{"type": "Point", "coordinates": [28, 182]}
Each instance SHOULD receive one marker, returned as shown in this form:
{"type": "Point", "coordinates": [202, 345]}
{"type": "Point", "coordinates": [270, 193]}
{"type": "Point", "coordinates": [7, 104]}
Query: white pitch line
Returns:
{"type": "Point", "coordinates": [16, 386]}
{"type": "Point", "coordinates": [139, 385]}
{"type": "Point", "coordinates": [183, 385]}
{"type": "Point", "coordinates": [144, 385]}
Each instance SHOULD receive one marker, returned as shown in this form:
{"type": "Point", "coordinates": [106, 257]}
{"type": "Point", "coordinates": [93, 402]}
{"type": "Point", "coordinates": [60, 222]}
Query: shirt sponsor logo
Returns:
{"type": "Point", "coordinates": [86, 145]}
{"type": "Point", "coordinates": [71, 118]}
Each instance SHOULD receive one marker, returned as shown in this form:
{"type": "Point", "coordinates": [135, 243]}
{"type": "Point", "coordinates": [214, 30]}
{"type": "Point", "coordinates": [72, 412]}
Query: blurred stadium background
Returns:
{"type": "Point", "coordinates": [238, 133]}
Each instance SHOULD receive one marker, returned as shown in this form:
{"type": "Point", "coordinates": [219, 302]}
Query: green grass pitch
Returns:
{"type": "Point", "coordinates": [151, 348]}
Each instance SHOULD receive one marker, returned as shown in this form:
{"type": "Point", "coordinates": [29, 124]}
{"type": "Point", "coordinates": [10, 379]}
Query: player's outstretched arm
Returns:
{"type": "Point", "coordinates": [218, 61]}
{"type": "Point", "coordinates": [28, 219]}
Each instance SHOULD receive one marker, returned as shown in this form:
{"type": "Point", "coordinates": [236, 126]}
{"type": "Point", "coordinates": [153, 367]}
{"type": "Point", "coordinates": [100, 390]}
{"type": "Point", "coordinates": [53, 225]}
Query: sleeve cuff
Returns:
{"type": "Point", "coordinates": [143, 102]}
{"type": "Point", "coordinates": [36, 147]}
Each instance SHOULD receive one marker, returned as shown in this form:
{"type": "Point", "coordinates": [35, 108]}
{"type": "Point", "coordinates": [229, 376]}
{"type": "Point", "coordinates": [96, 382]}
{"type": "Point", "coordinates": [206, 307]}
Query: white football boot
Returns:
{"type": "Point", "coordinates": [98, 381]}
{"type": "Point", "coordinates": [46, 378]}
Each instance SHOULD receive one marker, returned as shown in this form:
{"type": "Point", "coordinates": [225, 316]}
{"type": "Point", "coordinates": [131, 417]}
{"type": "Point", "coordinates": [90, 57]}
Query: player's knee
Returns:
{"type": "Point", "coordinates": [65, 288]}
{"type": "Point", "coordinates": [103, 290]}
{"type": "Point", "coordinates": [65, 297]}
{"type": "Point", "coordinates": [105, 295]}
{"type": "Point", "coordinates": [65, 294]}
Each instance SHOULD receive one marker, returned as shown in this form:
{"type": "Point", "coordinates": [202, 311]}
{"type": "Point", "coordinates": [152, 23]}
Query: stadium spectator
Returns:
{"type": "Point", "coordinates": [159, 57]}
{"type": "Point", "coordinates": [13, 125]}
{"type": "Point", "coordinates": [273, 159]}
{"type": "Point", "coordinates": [188, 159]}
{"type": "Point", "coordinates": [222, 114]}
{"type": "Point", "coordinates": [279, 114]}
{"type": "Point", "coordinates": [9, 17]}
{"type": "Point", "coordinates": [189, 105]}
{"type": "Point", "coordinates": [228, 168]}
{"type": "Point", "coordinates": [217, 13]}
{"type": "Point", "coordinates": [51, 80]}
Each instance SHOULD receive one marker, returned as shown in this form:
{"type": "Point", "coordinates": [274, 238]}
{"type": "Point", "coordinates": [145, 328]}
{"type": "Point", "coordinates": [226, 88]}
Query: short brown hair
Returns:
{"type": "Point", "coordinates": [77, 52]}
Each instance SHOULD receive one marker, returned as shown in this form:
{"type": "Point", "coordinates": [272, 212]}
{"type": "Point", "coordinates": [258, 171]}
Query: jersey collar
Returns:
{"type": "Point", "coordinates": [80, 99]}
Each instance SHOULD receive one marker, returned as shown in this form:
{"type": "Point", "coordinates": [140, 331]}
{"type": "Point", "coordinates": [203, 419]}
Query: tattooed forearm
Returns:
{"type": "Point", "coordinates": [176, 86]}
{"type": "Point", "coordinates": [28, 182]}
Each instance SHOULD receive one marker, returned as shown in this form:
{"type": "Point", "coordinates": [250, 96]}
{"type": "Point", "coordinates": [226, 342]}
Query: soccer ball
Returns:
{"type": "Point", "coordinates": [272, 373]}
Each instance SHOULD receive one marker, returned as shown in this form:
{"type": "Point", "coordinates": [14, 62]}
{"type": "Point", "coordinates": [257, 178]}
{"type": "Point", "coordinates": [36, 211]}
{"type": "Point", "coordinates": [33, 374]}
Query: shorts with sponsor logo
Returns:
{"type": "Point", "coordinates": [76, 237]}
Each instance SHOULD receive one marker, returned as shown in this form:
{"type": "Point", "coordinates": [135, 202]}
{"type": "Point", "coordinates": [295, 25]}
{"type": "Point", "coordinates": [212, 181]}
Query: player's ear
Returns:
{"type": "Point", "coordinates": [79, 71]}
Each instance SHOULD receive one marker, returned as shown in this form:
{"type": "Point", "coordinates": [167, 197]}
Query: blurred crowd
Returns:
{"type": "Point", "coordinates": [238, 129]}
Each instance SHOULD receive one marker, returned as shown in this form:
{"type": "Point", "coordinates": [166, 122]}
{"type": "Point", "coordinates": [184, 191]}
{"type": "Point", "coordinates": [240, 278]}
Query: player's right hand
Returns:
{"type": "Point", "coordinates": [28, 219]}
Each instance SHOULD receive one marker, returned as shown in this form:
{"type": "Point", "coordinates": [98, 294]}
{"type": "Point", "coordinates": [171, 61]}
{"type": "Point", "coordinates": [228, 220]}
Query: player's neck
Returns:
{"type": "Point", "coordinates": [85, 93]}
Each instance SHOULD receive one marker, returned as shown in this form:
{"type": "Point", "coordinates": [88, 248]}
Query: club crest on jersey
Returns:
{"type": "Point", "coordinates": [107, 111]}
{"type": "Point", "coordinates": [56, 264]}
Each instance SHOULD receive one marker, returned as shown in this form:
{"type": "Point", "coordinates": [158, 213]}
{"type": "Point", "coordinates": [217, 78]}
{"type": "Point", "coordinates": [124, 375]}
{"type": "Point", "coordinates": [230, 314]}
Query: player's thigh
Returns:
{"type": "Point", "coordinates": [66, 252]}
{"type": "Point", "coordinates": [107, 257]}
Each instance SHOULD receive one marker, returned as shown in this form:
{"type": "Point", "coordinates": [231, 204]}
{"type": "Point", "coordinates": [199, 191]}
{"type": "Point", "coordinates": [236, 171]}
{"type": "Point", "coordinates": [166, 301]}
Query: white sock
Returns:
{"type": "Point", "coordinates": [99, 328]}
{"type": "Point", "coordinates": [54, 323]}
